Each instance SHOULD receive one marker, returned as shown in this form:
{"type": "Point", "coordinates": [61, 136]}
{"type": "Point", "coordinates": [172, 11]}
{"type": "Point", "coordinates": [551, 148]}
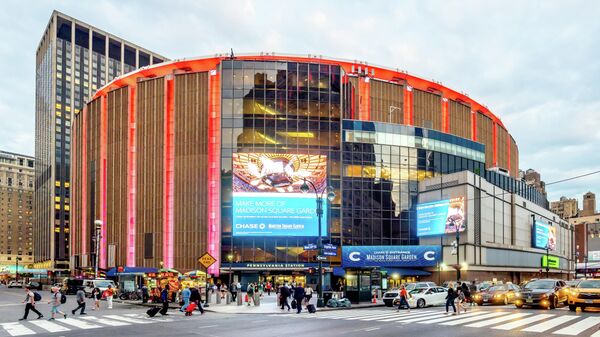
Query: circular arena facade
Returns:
{"type": "Point", "coordinates": [208, 155]}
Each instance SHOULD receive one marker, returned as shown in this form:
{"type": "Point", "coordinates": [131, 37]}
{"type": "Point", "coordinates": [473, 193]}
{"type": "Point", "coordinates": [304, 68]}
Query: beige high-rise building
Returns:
{"type": "Point", "coordinates": [16, 208]}
{"type": "Point", "coordinates": [565, 208]}
{"type": "Point", "coordinates": [589, 204]}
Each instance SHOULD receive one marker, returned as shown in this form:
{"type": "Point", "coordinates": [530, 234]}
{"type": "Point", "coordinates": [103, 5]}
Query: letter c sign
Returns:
{"type": "Point", "coordinates": [354, 256]}
{"type": "Point", "coordinates": [429, 256]}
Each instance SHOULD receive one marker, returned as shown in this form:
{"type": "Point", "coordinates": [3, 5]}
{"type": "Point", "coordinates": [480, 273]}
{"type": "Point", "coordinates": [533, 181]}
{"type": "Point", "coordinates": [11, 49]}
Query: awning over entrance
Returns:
{"type": "Point", "coordinates": [130, 270]}
{"type": "Point", "coordinates": [405, 271]}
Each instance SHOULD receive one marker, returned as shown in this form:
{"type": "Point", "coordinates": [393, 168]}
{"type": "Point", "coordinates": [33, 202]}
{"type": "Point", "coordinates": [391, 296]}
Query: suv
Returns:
{"type": "Point", "coordinates": [545, 293]}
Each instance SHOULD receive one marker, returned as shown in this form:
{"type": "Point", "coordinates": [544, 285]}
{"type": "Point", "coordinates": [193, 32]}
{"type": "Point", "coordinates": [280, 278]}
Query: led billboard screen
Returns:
{"type": "Point", "coordinates": [267, 200]}
{"type": "Point", "coordinates": [441, 217]}
{"type": "Point", "coordinates": [543, 235]}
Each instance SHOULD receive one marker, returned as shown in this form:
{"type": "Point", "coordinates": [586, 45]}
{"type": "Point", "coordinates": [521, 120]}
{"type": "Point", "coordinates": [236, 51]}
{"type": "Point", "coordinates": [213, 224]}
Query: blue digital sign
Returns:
{"type": "Point", "coordinates": [441, 217]}
{"type": "Point", "coordinates": [390, 256]}
{"type": "Point", "coordinates": [543, 236]}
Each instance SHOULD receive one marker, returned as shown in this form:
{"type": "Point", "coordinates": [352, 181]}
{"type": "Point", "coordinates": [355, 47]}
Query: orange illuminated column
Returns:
{"type": "Point", "coordinates": [445, 115]}
{"type": "Point", "coordinates": [84, 174]}
{"type": "Point", "coordinates": [214, 170]}
{"type": "Point", "coordinates": [508, 154]}
{"type": "Point", "coordinates": [408, 106]}
{"type": "Point", "coordinates": [103, 145]}
{"type": "Point", "coordinates": [473, 125]}
{"type": "Point", "coordinates": [364, 103]}
{"type": "Point", "coordinates": [131, 178]}
{"type": "Point", "coordinates": [495, 145]}
{"type": "Point", "coordinates": [168, 176]}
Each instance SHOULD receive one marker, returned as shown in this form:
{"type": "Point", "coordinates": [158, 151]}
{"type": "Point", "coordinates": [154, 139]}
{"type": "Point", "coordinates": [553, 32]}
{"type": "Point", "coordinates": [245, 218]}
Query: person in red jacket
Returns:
{"type": "Point", "coordinates": [403, 299]}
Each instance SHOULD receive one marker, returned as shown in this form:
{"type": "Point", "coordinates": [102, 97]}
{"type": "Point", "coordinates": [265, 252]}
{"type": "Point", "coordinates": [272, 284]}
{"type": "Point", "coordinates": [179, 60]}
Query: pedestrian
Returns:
{"type": "Point", "coordinates": [450, 296]}
{"type": "Point", "coordinates": [460, 299]}
{"type": "Point", "coordinates": [403, 299]}
{"type": "Point", "coordinates": [30, 299]}
{"type": "Point", "coordinates": [108, 294]}
{"type": "Point", "coordinates": [80, 296]}
{"type": "Point", "coordinates": [250, 293]}
{"type": "Point", "coordinates": [56, 301]}
{"type": "Point", "coordinates": [284, 293]}
{"type": "Point", "coordinates": [96, 295]}
{"type": "Point", "coordinates": [145, 294]}
{"type": "Point", "coordinates": [195, 298]}
{"type": "Point", "coordinates": [164, 296]}
{"type": "Point", "coordinates": [185, 295]}
{"type": "Point", "coordinates": [261, 288]}
{"type": "Point", "coordinates": [223, 290]}
{"type": "Point", "coordinates": [308, 292]}
{"type": "Point", "coordinates": [234, 290]}
{"type": "Point", "coordinates": [299, 296]}
{"type": "Point", "coordinates": [467, 293]}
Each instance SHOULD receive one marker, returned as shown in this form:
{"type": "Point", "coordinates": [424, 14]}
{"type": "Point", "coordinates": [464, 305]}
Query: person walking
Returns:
{"type": "Point", "coordinates": [284, 293]}
{"type": "Point", "coordinates": [30, 304]}
{"type": "Point", "coordinates": [250, 293]}
{"type": "Point", "coordinates": [308, 292]}
{"type": "Point", "coordinates": [80, 296]}
{"type": "Point", "coordinates": [234, 290]}
{"type": "Point", "coordinates": [403, 299]}
{"type": "Point", "coordinates": [450, 296]}
{"type": "Point", "coordinates": [55, 301]}
{"type": "Point", "coordinates": [108, 294]}
{"type": "Point", "coordinates": [268, 287]}
{"type": "Point", "coordinates": [460, 299]}
{"type": "Point", "coordinates": [299, 296]}
{"type": "Point", "coordinates": [145, 295]}
{"type": "Point", "coordinates": [467, 294]}
{"type": "Point", "coordinates": [164, 296]}
{"type": "Point", "coordinates": [195, 298]}
{"type": "Point", "coordinates": [96, 295]}
{"type": "Point", "coordinates": [185, 296]}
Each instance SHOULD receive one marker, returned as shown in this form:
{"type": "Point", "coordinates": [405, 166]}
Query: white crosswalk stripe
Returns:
{"type": "Point", "coordinates": [522, 322]}
{"type": "Point", "coordinates": [549, 324]}
{"type": "Point", "coordinates": [79, 323]}
{"type": "Point", "coordinates": [458, 320]}
{"type": "Point", "coordinates": [109, 322]}
{"type": "Point", "coordinates": [50, 326]}
{"type": "Point", "coordinates": [579, 327]}
{"type": "Point", "coordinates": [497, 320]}
{"type": "Point", "coordinates": [128, 319]}
{"type": "Point", "coordinates": [17, 329]}
{"type": "Point", "coordinates": [445, 318]}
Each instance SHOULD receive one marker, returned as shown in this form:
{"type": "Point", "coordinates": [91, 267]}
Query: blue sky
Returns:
{"type": "Point", "coordinates": [535, 64]}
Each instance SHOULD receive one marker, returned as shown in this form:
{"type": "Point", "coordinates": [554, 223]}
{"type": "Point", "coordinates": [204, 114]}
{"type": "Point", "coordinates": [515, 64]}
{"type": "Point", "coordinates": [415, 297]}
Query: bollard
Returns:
{"type": "Point", "coordinates": [256, 299]}
{"type": "Point", "coordinates": [218, 297]}
{"type": "Point", "coordinates": [239, 298]}
{"type": "Point", "coordinates": [227, 298]}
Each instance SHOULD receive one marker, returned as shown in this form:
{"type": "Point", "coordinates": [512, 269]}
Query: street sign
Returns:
{"type": "Point", "coordinates": [330, 252]}
{"type": "Point", "coordinates": [550, 261]}
{"type": "Point", "coordinates": [310, 246]}
{"type": "Point", "coordinates": [207, 260]}
{"type": "Point", "coordinates": [321, 258]}
{"type": "Point", "coordinates": [329, 246]}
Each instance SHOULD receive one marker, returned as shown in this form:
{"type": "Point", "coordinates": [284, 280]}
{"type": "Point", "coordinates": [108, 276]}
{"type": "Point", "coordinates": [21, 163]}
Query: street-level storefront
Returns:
{"type": "Point", "coordinates": [276, 273]}
{"type": "Point", "coordinates": [370, 270]}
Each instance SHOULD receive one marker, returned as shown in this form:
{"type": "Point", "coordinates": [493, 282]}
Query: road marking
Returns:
{"type": "Point", "coordinates": [521, 322]}
{"type": "Point", "coordinates": [549, 324]}
{"type": "Point", "coordinates": [497, 320]}
{"type": "Point", "coordinates": [418, 319]}
{"type": "Point", "coordinates": [341, 315]}
{"type": "Point", "coordinates": [575, 329]}
{"type": "Point", "coordinates": [152, 319]}
{"type": "Point", "coordinates": [389, 315]}
{"type": "Point", "coordinates": [371, 329]}
{"type": "Point", "coordinates": [451, 317]}
{"type": "Point", "coordinates": [128, 319]}
{"type": "Point", "coordinates": [459, 320]}
{"type": "Point", "coordinates": [105, 321]}
{"type": "Point", "coordinates": [79, 324]}
{"type": "Point", "coordinates": [411, 315]}
{"type": "Point", "coordinates": [50, 326]}
{"type": "Point", "coordinates": [17, 329]}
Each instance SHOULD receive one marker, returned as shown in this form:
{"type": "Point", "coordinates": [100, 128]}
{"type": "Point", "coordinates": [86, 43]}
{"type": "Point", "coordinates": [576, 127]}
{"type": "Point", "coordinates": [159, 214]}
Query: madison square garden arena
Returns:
{"type": "Point", "coordinates": [240, 156]}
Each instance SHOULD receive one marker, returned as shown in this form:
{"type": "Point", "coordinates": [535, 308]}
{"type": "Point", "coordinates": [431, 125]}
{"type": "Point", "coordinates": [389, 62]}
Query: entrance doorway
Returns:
{"type": "Point", "coordinates": [282, 279]}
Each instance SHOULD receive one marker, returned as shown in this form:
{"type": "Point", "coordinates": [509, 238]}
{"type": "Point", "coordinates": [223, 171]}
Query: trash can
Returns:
{"type": "Point", "coordinates": [327, 295]}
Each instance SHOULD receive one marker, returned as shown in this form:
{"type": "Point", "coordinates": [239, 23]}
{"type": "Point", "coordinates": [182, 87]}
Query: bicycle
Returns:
{"type": "Point", "coordinates": [130, 295]}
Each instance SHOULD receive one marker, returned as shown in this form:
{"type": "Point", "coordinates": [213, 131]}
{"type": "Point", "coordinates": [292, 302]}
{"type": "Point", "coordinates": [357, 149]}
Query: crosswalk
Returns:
{"type": "Point", "coordinates": [558, 323]}
{"type": "Point", "coordinates": [34, 327]}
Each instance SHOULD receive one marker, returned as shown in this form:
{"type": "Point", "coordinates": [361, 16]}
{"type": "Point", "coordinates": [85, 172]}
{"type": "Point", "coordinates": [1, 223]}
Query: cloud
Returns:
{"type": "Point", "coordinates": [534, 64]}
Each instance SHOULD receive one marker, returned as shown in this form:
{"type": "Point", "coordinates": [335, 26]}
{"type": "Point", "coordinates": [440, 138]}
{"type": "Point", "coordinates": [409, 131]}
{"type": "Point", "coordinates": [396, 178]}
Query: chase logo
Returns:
{"type": "Point", "coordinates": [429, 255]}
{"type": "Point", "coordinates": [354, 256]}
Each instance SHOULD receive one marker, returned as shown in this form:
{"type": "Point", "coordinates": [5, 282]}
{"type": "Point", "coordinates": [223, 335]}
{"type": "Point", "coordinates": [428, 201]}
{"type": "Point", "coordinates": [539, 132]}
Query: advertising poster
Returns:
{"type": "Point", "coordinates": [441, 217]}
{"type": "Point", "coordinates": [267, 200]}
{"type": "Point", "coordinates": [390, 256]}
{"type": "Point", "coordinates": [544, 235]}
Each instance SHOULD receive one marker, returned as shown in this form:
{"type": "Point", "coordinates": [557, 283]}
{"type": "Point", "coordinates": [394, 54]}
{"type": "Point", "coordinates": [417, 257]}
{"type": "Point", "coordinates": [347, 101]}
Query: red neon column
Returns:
{"type": "Point", "coordinates": [353, 102]}
{"type": "Point", "coordinates": [84, 174]}
{"type": "Point", "coordinates": [103, 145]}
{"type": "Point", "coordinates": [364, 103]}
{"type": "Point", "coordinates": [408, 107]}
{"type": "Point", "coordinates": [495, 145]}
{"type": "Point", "coordinates": [445, 115]}
{"type": "Point", "coordinates": [214, 171]}
{"type": "Point", "coordinates": [168, 176]}
{"type": "Point", "coordinates": [508, 154]}
{"type": "Point", "coordinates": [74, 190]}
{"type": "Point", "coordinates": [474, 126]}
{"type": "Point", "coordinates": [131, 178]}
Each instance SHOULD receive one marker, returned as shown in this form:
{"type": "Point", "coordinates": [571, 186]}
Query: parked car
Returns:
{"type": "Point", "coordinates": [101, 284]}
{"type": "Point", "coordinates": [15, 284]}
{"type": "Point", "coordinates": [419, 285]}
{"type": "Point", "coordinates": [424, 297]}
{"type": "Point", "coordinates": [500, 294]}
{"type": "Point", "coordinates": [35, 285]}
{"type": "Point", "coordinates": [548, 293]}
{"type": "Point", "coordinates": [585, 294]}
{"type": "Point", "coordinates": [389, 296]}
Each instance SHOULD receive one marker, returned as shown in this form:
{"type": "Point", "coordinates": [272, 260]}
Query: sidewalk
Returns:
{"type": "Point", "coordinates": [268, 305]}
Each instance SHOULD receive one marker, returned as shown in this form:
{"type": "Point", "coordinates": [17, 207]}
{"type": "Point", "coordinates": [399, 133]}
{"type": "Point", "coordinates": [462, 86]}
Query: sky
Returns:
{"type": "Point", "coordinates": [535, 64]}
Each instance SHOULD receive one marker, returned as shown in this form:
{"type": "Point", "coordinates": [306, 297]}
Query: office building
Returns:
{"type": "Point", "coordinates": [565, 208]}
{"type": "Point", "coordinates": [589, 204]}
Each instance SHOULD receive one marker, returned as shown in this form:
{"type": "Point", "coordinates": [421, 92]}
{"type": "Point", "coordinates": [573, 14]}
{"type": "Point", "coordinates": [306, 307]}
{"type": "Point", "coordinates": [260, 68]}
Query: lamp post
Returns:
{"type": "Point", "coordinates": [17, 269]}
{"type": "Point", "coordinates": [330, 196]}
{"type": "Point", "coordinates": [98, 224]}
{"type": "Point", "coordinates": [457, 246]}
{"type": "Point", "coordinates": [230, 259]}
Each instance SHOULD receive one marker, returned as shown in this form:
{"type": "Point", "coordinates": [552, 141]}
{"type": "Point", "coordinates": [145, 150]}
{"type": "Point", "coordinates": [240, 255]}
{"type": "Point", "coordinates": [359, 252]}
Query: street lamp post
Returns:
{"type": "Point", "coordinates": [457, 252]}
{"type": "Point", "coordinates": [547, 258]}
{"type": "Point", "coordinates": [98, 224]}
{"type": "Point", "coordinates": [330, 196]}
{"type": "Point", "coordinates": [17, 269]}
{"type": "Point", "coordinates": [230, 259]}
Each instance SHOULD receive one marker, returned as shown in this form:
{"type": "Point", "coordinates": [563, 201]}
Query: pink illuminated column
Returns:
{"type": "Point", "coordinates": [103, 145]}
{"type": "Point", "coordinates": [474, 126]}
{"type": "Point", "coordinates": [364, 103]}
{"type": "Point", "coordinates": [214, 171]}
{"type": "Point", "coordinates": [131, 178]}
{"type": "Point", "coordinates": [445, 115]}
{"type": "Point", "coordinates": [168, 176]}
{"type": "Point", "coordinates": [408, 107]}
{"type": "Point", "coordinates": [84, 176]}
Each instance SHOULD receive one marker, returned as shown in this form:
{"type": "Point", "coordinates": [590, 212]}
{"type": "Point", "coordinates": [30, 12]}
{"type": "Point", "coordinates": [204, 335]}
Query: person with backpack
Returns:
{"type": "Point", "coordinates": [450, 299]}
{"type": "Point", "coordinates": [250, 293]}
{"type": "Point", "coordinates": [57, 298]}
{"type": "Point", "coordinates": [196, 298]}
{"type": "Point", "coordinates": [80, 302]}
{"type": "Point", "coordinates": [403, 299]}
{"type": "Point", "coordinates": [97, 296]}
{"type": "Point", "coordinates": [30, 299]}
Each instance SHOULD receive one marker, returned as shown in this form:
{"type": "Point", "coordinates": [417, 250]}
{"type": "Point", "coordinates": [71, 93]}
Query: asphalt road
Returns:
{"type": "Point", "coordinates": [130, 320]}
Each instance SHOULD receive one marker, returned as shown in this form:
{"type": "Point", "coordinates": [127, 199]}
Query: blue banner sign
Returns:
{"type": "Point", "coordinates": [329, 246]}
{"type": "Point", "coordinates": [390, 256]}
{"type": "Point", "coordinates": [441, 217]}
{"type": "Point", "coordinates": [310, 246]}
{"type": "Point", "coordinates": [328, 252]}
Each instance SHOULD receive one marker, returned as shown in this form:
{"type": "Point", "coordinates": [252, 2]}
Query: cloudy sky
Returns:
{"type": "Point", "coordinates": [536, 64]}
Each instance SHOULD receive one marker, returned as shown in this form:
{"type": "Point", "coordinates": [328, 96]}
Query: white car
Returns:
{"type": "Point", "coordinates": [424, 297]}
{"type": "Point", "coordinates": [15, 284]}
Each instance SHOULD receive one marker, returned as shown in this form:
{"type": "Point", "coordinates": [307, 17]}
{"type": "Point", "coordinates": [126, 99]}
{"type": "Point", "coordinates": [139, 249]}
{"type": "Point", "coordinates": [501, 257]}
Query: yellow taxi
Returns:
{"type": "Point", "coordinates": [585, 294]}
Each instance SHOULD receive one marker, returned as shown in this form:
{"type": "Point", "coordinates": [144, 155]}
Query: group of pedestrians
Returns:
{"type": "Point", "coordinates": [461, 295]}
{"type": "Point", "coordinates": [189, 296]}
{"type": "Point", "coordinates": [301, 297]}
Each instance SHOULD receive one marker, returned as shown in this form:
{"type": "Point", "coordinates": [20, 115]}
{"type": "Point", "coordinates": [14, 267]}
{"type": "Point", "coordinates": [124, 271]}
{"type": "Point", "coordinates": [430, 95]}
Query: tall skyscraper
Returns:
{"type": "Point", "coordinates": [16, 208]}
{"type": "Point", "coordinates": [73, 60]}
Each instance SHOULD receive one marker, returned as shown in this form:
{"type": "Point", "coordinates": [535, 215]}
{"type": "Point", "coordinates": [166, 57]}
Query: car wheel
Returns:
{"type": "Point", "coordinates": [421, 303]}
{"type": "Point", "coordinates": [573, 308]}
{"type": "Point", "coordinates": [554, 303]}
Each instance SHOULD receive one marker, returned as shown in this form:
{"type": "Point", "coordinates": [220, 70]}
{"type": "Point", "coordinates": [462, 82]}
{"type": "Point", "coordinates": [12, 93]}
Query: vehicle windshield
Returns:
{"type": "Point", "coordinates": [540, 285]}
{"type": "Point", "coordinates": [417, 291]}
{"type": "Point", "coordinates": [410, 286]}
{"type": "Point", "coordinates": [104, 284]}
{"type": "Point", "coordinates": [590, 284]}
{"type": "Point", "coordinates": [498, 288]}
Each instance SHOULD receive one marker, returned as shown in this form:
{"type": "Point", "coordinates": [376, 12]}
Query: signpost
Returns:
{"type": "Point", "coordinates": [206, 261]}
